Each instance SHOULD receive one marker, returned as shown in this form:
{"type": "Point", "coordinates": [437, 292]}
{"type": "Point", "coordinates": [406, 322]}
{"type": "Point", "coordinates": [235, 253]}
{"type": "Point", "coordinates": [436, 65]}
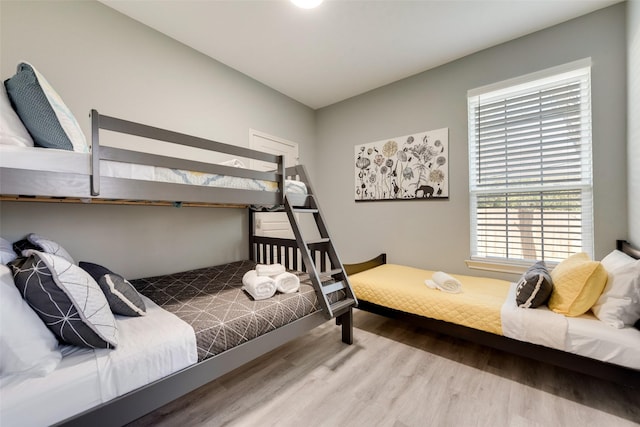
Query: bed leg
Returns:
{"type": "Point", "coordinates": [346, 321]}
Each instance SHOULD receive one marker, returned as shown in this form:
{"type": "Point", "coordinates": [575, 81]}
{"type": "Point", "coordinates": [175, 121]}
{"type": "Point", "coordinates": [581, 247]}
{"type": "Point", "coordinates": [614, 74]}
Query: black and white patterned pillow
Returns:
{"type": "Point", "coordinates": [66, 298]}
{"type": "Point", "coordinates": [122, 296]}
{"type": "Point", "coordinates": [534, 287]}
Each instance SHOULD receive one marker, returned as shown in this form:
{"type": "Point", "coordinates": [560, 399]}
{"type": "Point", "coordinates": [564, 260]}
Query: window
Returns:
{"type": "Point", "coordinates": [530, 167]}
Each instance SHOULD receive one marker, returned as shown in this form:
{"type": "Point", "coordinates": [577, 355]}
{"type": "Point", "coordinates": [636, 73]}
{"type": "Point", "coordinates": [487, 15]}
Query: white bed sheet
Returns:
{"type": "Point", "coordinates": [53, 160]}
{"type": "Point", "coordinates": [538, 326]}
{"type": "Point", "coordinates": [149, 348]}
{"type": "Point", "coordinates": [583, 335]}
{"type": "Point", "coordinates": [590, 337]}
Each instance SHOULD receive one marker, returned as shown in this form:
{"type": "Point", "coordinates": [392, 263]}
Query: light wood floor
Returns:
{"type": "Point", "coordinates": [398, 375]}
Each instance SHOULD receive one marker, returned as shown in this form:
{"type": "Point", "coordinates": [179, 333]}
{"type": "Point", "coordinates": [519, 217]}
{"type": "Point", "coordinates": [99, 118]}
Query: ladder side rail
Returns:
{"type": "Point", "coordinates": [252, 234]}
{"type": "Point", "coordinates": [307, 260]}
{"type": "Point", "coordinates": [333, 254]}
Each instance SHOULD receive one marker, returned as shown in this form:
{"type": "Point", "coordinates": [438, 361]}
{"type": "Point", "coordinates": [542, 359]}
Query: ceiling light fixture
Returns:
{"type": "Point", "coordinates": [307, 4]}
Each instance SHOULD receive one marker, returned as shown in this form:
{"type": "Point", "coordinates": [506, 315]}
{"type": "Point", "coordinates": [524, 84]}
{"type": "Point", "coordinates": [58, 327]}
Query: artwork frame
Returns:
{"type": "Point", "coordinates": [409, 167]}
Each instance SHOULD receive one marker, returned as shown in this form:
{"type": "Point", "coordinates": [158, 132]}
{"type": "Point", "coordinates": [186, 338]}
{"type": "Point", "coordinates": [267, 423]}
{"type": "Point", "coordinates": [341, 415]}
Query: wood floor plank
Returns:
{"type": "Point", "coordinates": [398, 375]}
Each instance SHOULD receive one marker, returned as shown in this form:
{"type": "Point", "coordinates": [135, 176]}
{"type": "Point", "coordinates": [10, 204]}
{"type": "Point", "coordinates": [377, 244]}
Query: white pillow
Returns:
{"type": "Point", "coordinates": [7, 254]}
{"type": "Point", "coordinates": [50, 247]}
{"type": "Point", "coordinates": [12, 131]}
{"type": "Point", "coordinates": [619, 304]}
{"type": "Point", "coordinates": [27, 347]}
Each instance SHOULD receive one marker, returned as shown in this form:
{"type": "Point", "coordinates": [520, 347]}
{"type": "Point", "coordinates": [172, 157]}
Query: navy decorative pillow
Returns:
{"type": "Point", "coordinates": [66, 298]}
{"type": "Point", "coordinates": [122, 296]}
{"type": "Point", "coordinates": [48, 120]}
{"type": "Point", "coordinates": [535, 286]}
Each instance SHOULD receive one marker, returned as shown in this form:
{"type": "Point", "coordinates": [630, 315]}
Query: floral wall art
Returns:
{"type": "Point", "coordinates": [411, 167]}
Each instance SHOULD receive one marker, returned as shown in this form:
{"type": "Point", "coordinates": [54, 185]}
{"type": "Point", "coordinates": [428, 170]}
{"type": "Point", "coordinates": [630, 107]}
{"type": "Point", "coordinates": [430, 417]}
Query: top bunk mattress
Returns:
{"type": "Point", "coordinates": [64, 161]}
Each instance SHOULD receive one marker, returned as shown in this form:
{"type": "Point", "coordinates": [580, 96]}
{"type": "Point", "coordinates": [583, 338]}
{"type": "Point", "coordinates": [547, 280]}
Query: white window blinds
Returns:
{"type": "Point", "coordinates": [530, 167]}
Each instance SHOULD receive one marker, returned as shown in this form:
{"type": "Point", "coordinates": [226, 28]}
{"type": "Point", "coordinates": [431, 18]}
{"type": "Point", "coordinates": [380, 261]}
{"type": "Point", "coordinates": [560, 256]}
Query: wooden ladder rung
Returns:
{"type": "Point", "coordinates": [317, 241]}
{"type": "Point", "coordinates": [305, 210]}
{"type": "Point", "coordinates": [341, 305]}
{"type": "Point", "coordinates": [333, 287]}
{"type": "Point", "coordinates": [330, 272]}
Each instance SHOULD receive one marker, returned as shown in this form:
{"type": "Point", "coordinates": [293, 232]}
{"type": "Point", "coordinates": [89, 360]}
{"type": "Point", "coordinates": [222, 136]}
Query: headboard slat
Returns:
{"type": "Point", "coordinates": [627, 248]}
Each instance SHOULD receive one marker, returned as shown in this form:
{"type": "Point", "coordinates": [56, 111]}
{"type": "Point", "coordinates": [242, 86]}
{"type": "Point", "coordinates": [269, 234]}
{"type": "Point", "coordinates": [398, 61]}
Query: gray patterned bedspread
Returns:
{"type": "Point", "coordinates": [221, 313]}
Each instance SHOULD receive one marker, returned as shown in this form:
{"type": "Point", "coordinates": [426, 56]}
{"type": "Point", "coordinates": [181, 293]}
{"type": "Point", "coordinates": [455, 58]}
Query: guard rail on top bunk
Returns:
{"type": "Point", "coordinates": [145, 190]}
{"type": "Point", "coordinates": [92, 186]}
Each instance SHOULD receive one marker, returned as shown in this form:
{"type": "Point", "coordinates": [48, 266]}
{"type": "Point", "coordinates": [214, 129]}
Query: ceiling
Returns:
{"type": "Point", "coordinates": [345, 47]}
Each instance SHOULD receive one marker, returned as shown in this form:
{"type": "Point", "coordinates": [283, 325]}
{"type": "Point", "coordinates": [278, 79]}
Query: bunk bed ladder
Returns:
{"type": "Point", "coordinates": [325, 280]}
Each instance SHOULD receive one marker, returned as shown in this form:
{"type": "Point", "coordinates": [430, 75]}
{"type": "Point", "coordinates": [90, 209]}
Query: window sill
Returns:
{"type": "Point", "coordinates": [499, 266]}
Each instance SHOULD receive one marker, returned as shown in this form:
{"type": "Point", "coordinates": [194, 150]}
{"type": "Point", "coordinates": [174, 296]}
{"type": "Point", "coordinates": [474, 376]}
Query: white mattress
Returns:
{"type": "Point", "coordinates": [53, 160]}
{"type": "Point", "coordinates": [584, 335]}
{"type": "Point", "coordinates": [149, 348]}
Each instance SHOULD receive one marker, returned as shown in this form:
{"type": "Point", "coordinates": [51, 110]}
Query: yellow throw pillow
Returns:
{"type": "Point", "coordinates": [577, 285]}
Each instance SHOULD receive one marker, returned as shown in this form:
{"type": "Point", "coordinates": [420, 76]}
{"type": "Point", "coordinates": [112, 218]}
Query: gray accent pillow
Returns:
{"type": "Point", "coordinates": [122, 297]}
{"type": "Point", "coordinates": [30, 102]}
{"type": "Point", "coordinates": [43, 112]}
{"type": "Point", "coordinates": [534, 287]}
{"type": "Point", "coordinates": [95, 270]}
{"type": "Point", "coordinates": [66, 298]}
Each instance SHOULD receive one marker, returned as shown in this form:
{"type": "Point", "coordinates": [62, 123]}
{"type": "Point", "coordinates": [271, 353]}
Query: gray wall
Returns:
{"type": "Point", "coordinates": [97, 58]}
{"type": "Point", "coordinates": [633, 102]}
{"type": "Point", "coordinates": [435, 234]}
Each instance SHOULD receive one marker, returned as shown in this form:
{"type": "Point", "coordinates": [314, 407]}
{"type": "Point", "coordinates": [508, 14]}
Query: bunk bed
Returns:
{"type": "Point", "coordinates": [46, 175]}
{"type": "Point", "coordinates": [588, 346]}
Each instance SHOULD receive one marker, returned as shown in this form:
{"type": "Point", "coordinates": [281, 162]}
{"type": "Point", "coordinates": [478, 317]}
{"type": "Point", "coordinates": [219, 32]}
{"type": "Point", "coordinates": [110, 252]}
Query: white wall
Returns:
{"type": "Point", "coordinates": [98, 58]}
{"type": "Point", "coordinates": [435, 234]}
{"type": "Point", "coordinates": [633, 125]}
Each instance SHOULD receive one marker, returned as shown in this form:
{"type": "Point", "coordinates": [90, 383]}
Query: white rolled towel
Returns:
{"type": "Point", "coordinates": [287, 283]}
{"type": "Point", "coordinates": [259, 287]}
{"type": "Point", "coordinates": [444, 282]}
{"type": "Point", "coordinates": [270, 269]}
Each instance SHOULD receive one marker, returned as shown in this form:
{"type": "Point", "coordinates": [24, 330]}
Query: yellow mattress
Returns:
{"type": "Point", "coordinates": [403, 288]}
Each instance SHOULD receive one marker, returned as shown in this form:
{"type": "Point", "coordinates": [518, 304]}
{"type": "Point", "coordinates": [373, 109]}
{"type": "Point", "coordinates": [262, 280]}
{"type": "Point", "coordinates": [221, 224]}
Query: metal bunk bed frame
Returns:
{"type": "Point", "coordinates": [44, 186]}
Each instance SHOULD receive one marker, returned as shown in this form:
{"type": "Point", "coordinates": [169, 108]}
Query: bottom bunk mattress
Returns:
{"type": "Point", "coordinates": [222, 315]}
{"type": "Point", "coordinates": [190, 316]}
